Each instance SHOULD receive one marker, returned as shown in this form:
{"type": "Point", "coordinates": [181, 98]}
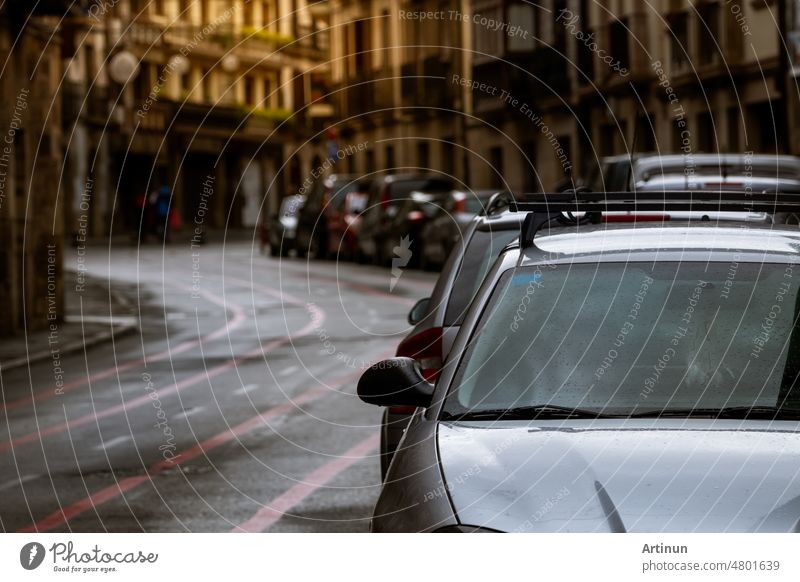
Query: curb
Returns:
{"type": "Point", "coordinates": [70, 347]}
{"type": "Point", "coordinates": [115, 331]}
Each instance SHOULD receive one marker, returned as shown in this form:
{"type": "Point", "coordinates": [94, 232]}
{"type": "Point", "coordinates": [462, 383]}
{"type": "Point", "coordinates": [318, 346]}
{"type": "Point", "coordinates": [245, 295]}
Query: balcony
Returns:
{"type": "Point", "coordinates": [428, 84]}
{"type": "Point", "coordinates": [365, 96]}
{"type": "Point", "coordinates": [536, 76]}
{"type": "Point", "coordinates": [627, 44]}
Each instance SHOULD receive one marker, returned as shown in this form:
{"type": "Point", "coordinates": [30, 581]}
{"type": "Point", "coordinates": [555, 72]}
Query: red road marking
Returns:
{"type": "Point", "coordinates": [65, 514]}
{"type": "Point", "coordinates": [171, 389]}
{"type": "Point", "coordinates": [265, 517]}
{"type": "Point", "coordinates": [236, 321]}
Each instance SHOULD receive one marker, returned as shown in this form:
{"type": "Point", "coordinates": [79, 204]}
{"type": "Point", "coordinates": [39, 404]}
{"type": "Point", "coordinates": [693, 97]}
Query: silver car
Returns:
{"type": "Point", "coordinates": [611, 377]}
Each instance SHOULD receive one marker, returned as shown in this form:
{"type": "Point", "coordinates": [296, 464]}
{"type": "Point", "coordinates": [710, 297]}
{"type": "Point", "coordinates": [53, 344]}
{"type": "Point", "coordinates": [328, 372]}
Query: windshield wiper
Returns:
{"type": "Point", "coordinates": [540, 412]}
{"type": "Point", "coordinates": [742, 412]}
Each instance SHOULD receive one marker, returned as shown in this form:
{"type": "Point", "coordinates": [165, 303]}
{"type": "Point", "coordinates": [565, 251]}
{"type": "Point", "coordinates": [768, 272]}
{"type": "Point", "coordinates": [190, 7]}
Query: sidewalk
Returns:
{"type": "Point", "coordinates": [74, 333]}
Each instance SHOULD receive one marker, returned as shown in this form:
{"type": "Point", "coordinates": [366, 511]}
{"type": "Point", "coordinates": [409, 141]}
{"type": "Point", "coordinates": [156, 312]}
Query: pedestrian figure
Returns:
{"type": "Point", "coordinates": [142, 222]}
{"type": "Point", "coordinates": [161, 210]}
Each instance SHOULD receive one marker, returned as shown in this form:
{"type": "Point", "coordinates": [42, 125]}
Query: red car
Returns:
{"type": "Point", "coordinates": [343, 219]}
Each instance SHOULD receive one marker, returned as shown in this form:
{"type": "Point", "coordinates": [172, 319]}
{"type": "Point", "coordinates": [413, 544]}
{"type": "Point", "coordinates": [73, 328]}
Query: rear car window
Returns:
{"type": "Point", "coordinates": [339, 192]}
{"type": "Point", "coordinates": [482, 250]}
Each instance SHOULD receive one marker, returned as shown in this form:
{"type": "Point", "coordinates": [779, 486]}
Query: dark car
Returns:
{"type": "Point", "coordinates": [611, 378]}
{"type": "Point", "coordinates": [343, 219]}
{"type": "Point", "coordinates": [436, 319]}
{"type": "Point", "coordinates": [282, 228]}
{"type": "Point", "coordinates": [405, 228]}
{"type": "Point", "coordinates": [443, 231]}
{"type": "Point", "coordinates": [387, 195]}
{"type": "Point", "coordinates": [326, 195]}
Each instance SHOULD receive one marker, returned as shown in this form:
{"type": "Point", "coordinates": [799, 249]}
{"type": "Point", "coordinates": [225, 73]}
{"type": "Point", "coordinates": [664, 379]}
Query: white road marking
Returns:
{"type": "Point", "coordinates": [246, 389]}
{"type": "Point", "coordinates": [289, 370]}
{"type": "Point", "coordinates": [189, 412]}
{"type": "Point", "coordinates": [112, 443]}
{"type": "Point", "coordinates": [17, 482]}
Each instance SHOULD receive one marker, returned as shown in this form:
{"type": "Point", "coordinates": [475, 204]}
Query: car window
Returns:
{"type": "Point", "coordinates": [474, 204]}
{"type": "Point", "coordinates": [622, 338]}
{"type": "Point", "coordinates": [402, 188]}
{"type": "Point", "coordinates": [482, 250]}
{"type": "Point", "coordinates": [339, 192]}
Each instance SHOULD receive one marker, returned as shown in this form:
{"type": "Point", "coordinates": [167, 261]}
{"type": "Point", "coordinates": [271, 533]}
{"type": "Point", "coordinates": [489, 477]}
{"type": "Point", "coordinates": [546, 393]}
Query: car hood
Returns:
{"type": "Point", "coordinates": [624, 475]}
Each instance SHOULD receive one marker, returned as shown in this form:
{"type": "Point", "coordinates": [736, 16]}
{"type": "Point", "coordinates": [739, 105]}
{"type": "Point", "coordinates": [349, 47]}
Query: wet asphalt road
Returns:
{"type": "Point", "coordinates": [231, 408]}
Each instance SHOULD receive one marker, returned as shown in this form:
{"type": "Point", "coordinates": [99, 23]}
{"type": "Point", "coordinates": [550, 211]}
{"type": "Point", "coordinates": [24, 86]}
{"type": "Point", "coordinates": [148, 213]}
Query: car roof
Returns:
{"type": "Point", "coordinates": [741, 242]}
{"type": "Point", "coordinates": [389, 178]}
{"type": "Point", "coordinates": [681, 181]}
{"type": "Point", "coordinates": [500, 220]}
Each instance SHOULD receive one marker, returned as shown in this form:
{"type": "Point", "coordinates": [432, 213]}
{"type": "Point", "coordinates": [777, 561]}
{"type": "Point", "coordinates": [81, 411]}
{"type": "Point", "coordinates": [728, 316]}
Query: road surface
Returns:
{"type": "Point", "coordinates": [231, 409]}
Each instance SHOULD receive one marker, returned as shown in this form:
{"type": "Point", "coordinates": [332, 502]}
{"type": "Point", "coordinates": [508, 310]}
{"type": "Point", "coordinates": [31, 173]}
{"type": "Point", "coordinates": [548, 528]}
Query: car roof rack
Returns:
{"type": "Point", "coordinates": [560, 206]}
{"type": "Point", "coordinates": [497, 202]}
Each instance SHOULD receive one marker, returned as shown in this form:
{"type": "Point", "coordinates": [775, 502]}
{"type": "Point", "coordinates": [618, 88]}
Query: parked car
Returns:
{"type": "Point", "coordinates": [388, 193]}
{"type": "Point", "coordinates": [343, 219]}
{"type": "Point", "coordinates": [282, 228]}
{"type": "Point", "coordinates": [624, 171]}
{"type": "Point", "coordinates": [408, 223]}
{"type": "Point", "coordinates": [436, 319]}
{"type": "Point", "coordinates": [313, 236]}
{"type": "Point", "coordinates": [443, 231]}
{"type": "Point", "coordinates": [640, 395]}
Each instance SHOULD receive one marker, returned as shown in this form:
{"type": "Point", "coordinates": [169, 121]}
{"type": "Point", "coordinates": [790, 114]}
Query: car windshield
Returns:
{"type": "Point", "coordinates": [482, 249]}
{"type": "Point", "coordinates": [633, 338]}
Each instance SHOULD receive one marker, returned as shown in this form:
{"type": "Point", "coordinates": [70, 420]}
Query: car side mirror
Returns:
{"type": "Point", "coordinates": [419, 310]}
{"type": "Point", "coordinates": [395, 382]}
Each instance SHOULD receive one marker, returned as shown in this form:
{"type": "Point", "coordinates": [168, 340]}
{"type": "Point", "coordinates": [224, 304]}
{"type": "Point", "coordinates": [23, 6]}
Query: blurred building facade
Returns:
{"type": "Point", "coordinates": [548, 88]}
{"type": "Point", "coordinates": [393, 90]}
{"type": "Point", "coordinates": [222, 101]}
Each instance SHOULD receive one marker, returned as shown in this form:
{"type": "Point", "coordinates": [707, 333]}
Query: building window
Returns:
{"type": "Point", "coordinates": [449, 156]}
{"type": "Point", "coordinates": [529, 179]}
{"type": "Point", "coordinates": [708, 32]}
{"type": "Point", "coordinates": [185, 80]}
{"type": "Point", "coordinates": [606, 138]}
{"type": "Point", "coordinates": [678, 34]}
{"type": "Point", "coordinates": [158, 7]}
{"type": "Point", "coordinates": [559, 31]}
{"type": "Point", "coordinates": [248, 16]}
{"type": "Point", "coordinates": [522, 15]}
{"type": "Point", "coordinates": [487, 41]}
{"type": "Point", "coordinates": [424, 155]}
{"type": "Point", "coordinates": [385, 38]}
{"type": "Point", "coordinates": [268, 89]}
{"type": "Point", "coordinates": [207, 95]}
{"type": "Point", "coordinates": [250, 91]}
{"type": "Point", "coordinates": [268, 15]}
{"type": "Point", "coordinates": [370, 161]}
{"type": "Point", "coordinates": [496, 171]}
{"type": "Point", "coordinates": [734, 118]}
{"type": "Point", "coordinates": [619, 45]}
{"type": "Point", "coordinates": [390, 163]}
{"type": "Point", "coordinates": [679, 132]}
{"type": "Point", "coordinates": [705, 132]}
